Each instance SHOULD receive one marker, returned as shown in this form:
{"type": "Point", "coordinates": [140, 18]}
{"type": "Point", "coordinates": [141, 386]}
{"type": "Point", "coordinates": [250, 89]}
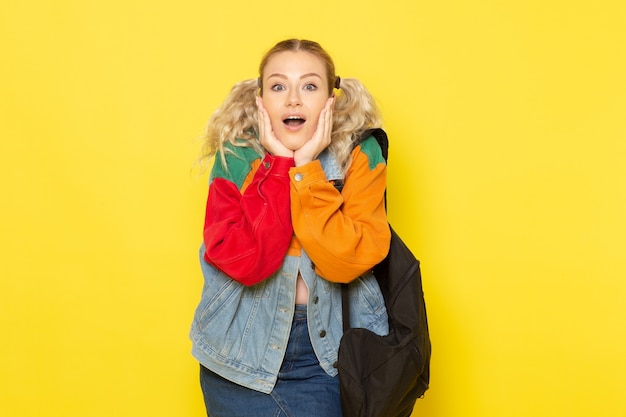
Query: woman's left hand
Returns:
{"type": "Point", "coordinates": [321, 137]}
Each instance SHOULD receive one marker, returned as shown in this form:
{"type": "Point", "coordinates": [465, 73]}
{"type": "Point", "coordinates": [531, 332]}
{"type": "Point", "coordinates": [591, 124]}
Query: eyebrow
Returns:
{"type": "Point", "coordinates": [283, 76]}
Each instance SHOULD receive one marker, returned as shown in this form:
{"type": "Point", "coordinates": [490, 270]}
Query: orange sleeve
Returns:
{"type": "Point", "coordinates": [345, 234]}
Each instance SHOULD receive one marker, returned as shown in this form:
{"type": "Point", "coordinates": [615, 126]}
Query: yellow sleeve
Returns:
{"type": "Point", "coordinates": [345, 234]}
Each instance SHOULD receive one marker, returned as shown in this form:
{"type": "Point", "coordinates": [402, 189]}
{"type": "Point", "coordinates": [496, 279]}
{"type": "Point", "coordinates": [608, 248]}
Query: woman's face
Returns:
{"type": "Point", "coordinates": [295, 90]}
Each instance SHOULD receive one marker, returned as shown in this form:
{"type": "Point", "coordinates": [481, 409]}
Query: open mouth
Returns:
{"type": "Point", "coordinates": [294, 121]}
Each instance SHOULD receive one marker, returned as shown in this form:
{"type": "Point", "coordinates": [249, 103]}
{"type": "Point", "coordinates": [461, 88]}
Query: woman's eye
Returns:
{"type": "Point", "coordinates": [278, 87]}
{"type": "Point", "coordinates": [310, 87]}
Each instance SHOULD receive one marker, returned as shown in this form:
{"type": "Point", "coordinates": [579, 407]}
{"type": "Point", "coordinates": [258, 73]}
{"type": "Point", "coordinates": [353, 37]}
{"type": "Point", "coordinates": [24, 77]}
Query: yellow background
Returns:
{"type": "Point", "coordinates": [507, 178]}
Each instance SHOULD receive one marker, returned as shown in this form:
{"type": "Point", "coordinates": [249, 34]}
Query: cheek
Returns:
{"type": "Point", "coordinates": [274, 116]}
{"type": "Point", "coordinates": [319, 106]}
{"type": "Point", "coordinates": [316, 117]}
{"type": "Point", "coordinates": [276, 122]}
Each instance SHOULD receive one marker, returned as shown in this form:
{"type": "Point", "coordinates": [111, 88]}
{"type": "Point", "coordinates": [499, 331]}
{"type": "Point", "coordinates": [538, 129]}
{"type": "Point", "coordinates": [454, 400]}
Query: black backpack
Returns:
{"type": "Point", "coordinates": [383, 376]}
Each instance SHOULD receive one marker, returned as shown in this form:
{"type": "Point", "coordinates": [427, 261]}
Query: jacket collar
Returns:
{"type": "Point", "coordinates": [330, 165]}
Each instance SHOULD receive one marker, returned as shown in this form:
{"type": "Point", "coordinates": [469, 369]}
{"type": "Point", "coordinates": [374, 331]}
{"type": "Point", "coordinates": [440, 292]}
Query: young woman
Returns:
{"type": "Point", "coordinates": [279, 238]}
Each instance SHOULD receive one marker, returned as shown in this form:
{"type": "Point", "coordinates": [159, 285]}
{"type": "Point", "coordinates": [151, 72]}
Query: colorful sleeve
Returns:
{"type": "Point", "coordinates": [345, 234]}
{"type": "Point", "coordinates": [246, 235]}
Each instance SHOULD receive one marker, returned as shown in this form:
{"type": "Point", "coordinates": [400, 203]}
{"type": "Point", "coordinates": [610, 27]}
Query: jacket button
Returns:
{"type": "Point", "coordinates": [298, 177]}
{"type": "Point", "coordinates": [323, 333]}
{"type": "Point", "coordinates": [316, 299]}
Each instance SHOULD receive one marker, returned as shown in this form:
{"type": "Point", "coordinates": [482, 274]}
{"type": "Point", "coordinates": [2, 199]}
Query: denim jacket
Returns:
{"type": "Point", "coordinates": [241, 332]}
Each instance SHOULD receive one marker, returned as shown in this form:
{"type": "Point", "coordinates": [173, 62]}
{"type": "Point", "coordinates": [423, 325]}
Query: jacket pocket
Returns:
{"type": "Point", "coordinates": [220, 296]}
{"type": "Point", "coordinates": [368, 304]}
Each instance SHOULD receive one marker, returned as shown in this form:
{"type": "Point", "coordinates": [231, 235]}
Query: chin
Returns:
{"type": "Point", "coordinates": [293, 143]}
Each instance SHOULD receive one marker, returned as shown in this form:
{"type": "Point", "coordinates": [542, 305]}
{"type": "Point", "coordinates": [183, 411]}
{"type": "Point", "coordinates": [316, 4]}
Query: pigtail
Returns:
{"type": "Point", "coordinates": [234, 122]}
{"type": "Point", "coordinates": [355, 111]}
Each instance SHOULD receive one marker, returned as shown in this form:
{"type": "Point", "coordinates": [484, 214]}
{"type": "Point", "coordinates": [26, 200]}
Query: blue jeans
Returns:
{"type": "Point", "coordinates": [303, 388]}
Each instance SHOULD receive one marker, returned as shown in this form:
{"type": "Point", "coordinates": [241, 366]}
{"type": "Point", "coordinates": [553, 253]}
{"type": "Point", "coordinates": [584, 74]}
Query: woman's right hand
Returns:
{"type": "Point", "coordinates": [268, 140]}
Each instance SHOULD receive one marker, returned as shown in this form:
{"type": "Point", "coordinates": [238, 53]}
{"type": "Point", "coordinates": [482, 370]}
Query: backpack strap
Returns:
{"type": "Point", "coordinates": [345, 306]}
{"type": "Point", "coordinates": [381, 138]}
{"type": "Point", "coordinates": [383, 141]}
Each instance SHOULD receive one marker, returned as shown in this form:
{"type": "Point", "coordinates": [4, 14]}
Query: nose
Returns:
{"type": "Point", "coordinates": [293, 97]}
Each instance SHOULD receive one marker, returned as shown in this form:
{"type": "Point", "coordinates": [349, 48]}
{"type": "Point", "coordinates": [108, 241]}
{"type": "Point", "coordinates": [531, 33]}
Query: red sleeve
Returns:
{"type": "Point", "coordinates": [247, 235]}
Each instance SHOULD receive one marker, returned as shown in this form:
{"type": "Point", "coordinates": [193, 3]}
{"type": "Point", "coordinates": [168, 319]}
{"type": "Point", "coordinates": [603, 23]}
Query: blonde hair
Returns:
{"type": "Point", "coordinates": [236, 122]}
